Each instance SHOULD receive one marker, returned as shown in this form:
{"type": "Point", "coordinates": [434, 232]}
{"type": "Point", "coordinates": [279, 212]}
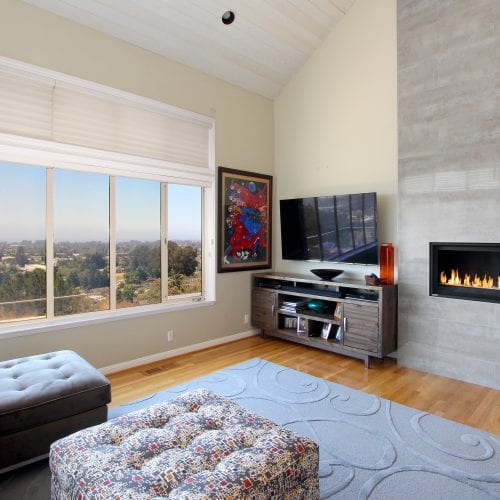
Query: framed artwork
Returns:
{"type": "Point", "coordinates": [325, 331]}
{"type": "Point", "coordinates": [245, 220]}
{"type": "Point", "coordinates": [301, 325]}
{"type": "Point", "coordinates": [338, 311]}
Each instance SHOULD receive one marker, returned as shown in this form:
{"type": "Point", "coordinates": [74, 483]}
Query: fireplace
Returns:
{"type": "Point", "coordinates": [468, 271]}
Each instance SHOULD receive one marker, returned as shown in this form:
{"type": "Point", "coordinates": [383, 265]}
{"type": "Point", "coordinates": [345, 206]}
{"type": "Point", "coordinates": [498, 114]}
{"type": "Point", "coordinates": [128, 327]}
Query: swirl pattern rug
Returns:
{"type": "Point", "coordinates": [370, 448]}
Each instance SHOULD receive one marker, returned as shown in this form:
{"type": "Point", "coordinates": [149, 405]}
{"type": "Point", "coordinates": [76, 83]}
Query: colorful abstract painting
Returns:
{"type": "Point", "coordinates": [245, 215]}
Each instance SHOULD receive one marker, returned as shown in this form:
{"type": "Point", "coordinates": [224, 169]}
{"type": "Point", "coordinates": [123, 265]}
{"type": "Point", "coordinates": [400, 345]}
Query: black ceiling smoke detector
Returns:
{"type": "Point", "coordinates": [228, 17]}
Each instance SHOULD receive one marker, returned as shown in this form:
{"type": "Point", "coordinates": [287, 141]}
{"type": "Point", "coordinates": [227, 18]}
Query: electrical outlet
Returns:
{"type": "Point", "coordinates": [246, 318]}
{"type": "Point", "coordinates": [170, 335]}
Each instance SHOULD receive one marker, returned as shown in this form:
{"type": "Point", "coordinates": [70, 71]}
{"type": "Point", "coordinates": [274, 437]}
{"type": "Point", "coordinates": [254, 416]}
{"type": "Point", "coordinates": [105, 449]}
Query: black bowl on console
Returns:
{"type": "Point", "coordinates": [327, 274]}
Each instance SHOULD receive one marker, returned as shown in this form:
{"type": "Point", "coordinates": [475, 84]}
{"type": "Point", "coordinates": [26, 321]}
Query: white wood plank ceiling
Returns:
{"type": "Point", "coordinates": [260, 51]}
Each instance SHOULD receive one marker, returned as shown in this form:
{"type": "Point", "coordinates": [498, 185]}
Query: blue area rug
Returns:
{"type": "Point", "coordinates": [369, 447]}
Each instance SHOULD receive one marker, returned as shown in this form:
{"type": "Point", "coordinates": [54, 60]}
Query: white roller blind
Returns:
{"type": "Point", "coordinates": [102, 118]}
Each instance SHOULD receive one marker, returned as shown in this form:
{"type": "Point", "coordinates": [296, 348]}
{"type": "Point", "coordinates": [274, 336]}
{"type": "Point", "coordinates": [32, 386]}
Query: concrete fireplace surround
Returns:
{"type": "Point", "coordinates": [449, 177]}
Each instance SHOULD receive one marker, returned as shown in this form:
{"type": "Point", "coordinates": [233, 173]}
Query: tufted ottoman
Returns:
{"type": "Point", "coordinates": [43, 398]}
{"type": "Point", "coordinates": [199, 445]}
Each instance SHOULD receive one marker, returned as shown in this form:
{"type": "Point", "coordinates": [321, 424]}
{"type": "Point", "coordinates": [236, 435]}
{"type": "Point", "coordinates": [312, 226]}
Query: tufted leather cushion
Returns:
{"type": "Point", "coordinates": [39, 389]}
{"type": "Point", "coordinates": [199, 445]}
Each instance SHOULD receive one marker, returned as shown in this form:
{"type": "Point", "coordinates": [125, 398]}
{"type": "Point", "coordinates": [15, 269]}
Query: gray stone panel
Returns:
{"type": "Point", "coordinates": [449, 177]}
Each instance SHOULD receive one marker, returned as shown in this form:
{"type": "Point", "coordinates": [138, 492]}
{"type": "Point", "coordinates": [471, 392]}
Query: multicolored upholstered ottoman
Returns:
{"type": "Point", "coordinates": [199, 445]}
{"type": "Point", "coordinates": [43, 398]}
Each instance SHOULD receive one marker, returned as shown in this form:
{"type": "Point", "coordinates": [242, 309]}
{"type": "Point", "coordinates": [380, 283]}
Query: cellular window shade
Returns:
{"type": "Point", "coordinates": [42, 107]}
{"type": "Point", "coordinates": [103, 123]}
{"type": "Point", "coordinates": [26, 105]}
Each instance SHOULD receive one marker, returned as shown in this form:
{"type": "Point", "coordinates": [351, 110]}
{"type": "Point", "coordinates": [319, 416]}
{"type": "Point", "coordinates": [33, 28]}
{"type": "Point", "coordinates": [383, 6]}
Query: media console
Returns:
{"type": "Point", "coordinates": [346, 317]}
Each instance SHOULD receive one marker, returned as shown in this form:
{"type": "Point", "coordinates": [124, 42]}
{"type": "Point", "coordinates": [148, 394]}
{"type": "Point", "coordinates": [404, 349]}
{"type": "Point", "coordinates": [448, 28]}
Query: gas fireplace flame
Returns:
{"type": "Point", "coordinates": [455, 279]}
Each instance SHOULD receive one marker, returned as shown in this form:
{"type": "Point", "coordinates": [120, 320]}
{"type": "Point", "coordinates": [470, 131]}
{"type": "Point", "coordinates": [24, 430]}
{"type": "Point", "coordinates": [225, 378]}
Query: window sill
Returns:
{"type": "Point", "coordinates": [46, 326]}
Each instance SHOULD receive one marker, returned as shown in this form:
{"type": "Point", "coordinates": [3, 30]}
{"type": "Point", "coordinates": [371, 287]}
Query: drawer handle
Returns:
{"type": "Point", "coordinates": [345, 324]}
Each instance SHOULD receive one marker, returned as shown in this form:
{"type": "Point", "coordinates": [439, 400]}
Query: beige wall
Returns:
{"type": "Point", "coordinates": [244, 140]}
{"type": "Point", "coordinates": [336, 121]}
{"type": "Point", "coordinates": [334, 129]}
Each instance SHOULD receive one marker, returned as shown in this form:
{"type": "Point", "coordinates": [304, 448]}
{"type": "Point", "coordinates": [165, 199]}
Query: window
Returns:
{"type": "Point", "coordinates": [81, 242]}
{"type": "Point", "coordinates": [106, 200]}
{"type": "Point", "coordinates": [107, 251]}
{"type": "Point", "coordinates": [138, 236]}
{"type": "Point", "coordinates": [22, 246]}
{"type": "Point", "coordinates": [184, 239]}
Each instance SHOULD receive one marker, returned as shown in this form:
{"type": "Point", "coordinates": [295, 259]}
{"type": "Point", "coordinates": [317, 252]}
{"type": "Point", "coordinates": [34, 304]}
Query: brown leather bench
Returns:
{"type": "Point", "coordinates": [46, 397]}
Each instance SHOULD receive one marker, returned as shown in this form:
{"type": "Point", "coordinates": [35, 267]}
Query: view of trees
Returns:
{"type": "Point", "coordinates": [138, 274]}
{"type": "Point", "coordinates": [81, 276]}
{"type": "Point", "coordinates": [22, 293]}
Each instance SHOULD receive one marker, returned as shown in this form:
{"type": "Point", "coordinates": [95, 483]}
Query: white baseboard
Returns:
{"type": "Point", "coordinates": [176, 352]}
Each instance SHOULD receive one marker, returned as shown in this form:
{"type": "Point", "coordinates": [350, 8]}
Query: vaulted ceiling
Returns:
{"type": "Point", "coordinates": [261, 50]}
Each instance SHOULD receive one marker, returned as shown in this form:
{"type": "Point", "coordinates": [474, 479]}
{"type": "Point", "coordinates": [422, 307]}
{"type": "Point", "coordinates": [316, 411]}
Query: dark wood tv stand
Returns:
{"type": "Point", "coordinates": [345, 317]}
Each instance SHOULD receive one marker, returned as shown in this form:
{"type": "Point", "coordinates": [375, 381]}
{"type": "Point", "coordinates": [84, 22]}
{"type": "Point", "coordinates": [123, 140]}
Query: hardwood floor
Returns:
{"type": "Point", "coordinates": [466, 403]}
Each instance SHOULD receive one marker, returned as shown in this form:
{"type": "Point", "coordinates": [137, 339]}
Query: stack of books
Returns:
{"type": "Point", "coordinates": [294, 306]}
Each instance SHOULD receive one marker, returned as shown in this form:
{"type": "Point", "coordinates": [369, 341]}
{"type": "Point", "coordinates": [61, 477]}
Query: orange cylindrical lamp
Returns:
{"type": "Point", "coordinates": [386, 264]}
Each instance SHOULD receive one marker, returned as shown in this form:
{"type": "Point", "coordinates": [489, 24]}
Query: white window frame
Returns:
{"type": "Point", "coordinates": [50, 154]}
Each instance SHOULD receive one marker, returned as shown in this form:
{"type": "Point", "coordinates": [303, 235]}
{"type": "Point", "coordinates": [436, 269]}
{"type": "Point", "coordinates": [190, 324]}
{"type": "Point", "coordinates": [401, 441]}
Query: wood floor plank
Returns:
{"type": "Point", "coordinates": [469, 404]}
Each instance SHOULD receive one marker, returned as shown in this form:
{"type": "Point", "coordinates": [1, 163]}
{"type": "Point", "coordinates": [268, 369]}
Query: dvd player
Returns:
{"type": "Point", "coordinates": [370, 296]}
{"type": "Point", "coordinates": [312, 291]}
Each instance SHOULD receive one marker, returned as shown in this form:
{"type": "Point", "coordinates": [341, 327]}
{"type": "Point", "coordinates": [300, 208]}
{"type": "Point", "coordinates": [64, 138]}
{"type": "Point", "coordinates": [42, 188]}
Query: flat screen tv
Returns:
{"type": "Point", "coordinates": [341, 228]}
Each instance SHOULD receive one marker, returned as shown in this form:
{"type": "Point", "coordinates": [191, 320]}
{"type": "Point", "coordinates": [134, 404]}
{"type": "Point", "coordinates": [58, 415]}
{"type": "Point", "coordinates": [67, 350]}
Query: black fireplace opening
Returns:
{"type": "Point", "coordinates": [468, 271]}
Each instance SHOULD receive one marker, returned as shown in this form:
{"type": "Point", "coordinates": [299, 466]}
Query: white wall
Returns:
{"type": "Point", "coordinates": [336, 121]}
{"type": "Point", "coordinates": [244, 140]}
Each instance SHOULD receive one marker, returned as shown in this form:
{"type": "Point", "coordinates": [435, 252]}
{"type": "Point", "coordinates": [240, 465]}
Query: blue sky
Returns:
{"type": "Point", "coordinates": [81, 207]}
{"type": "Point", "coordinates": [22, 203]}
